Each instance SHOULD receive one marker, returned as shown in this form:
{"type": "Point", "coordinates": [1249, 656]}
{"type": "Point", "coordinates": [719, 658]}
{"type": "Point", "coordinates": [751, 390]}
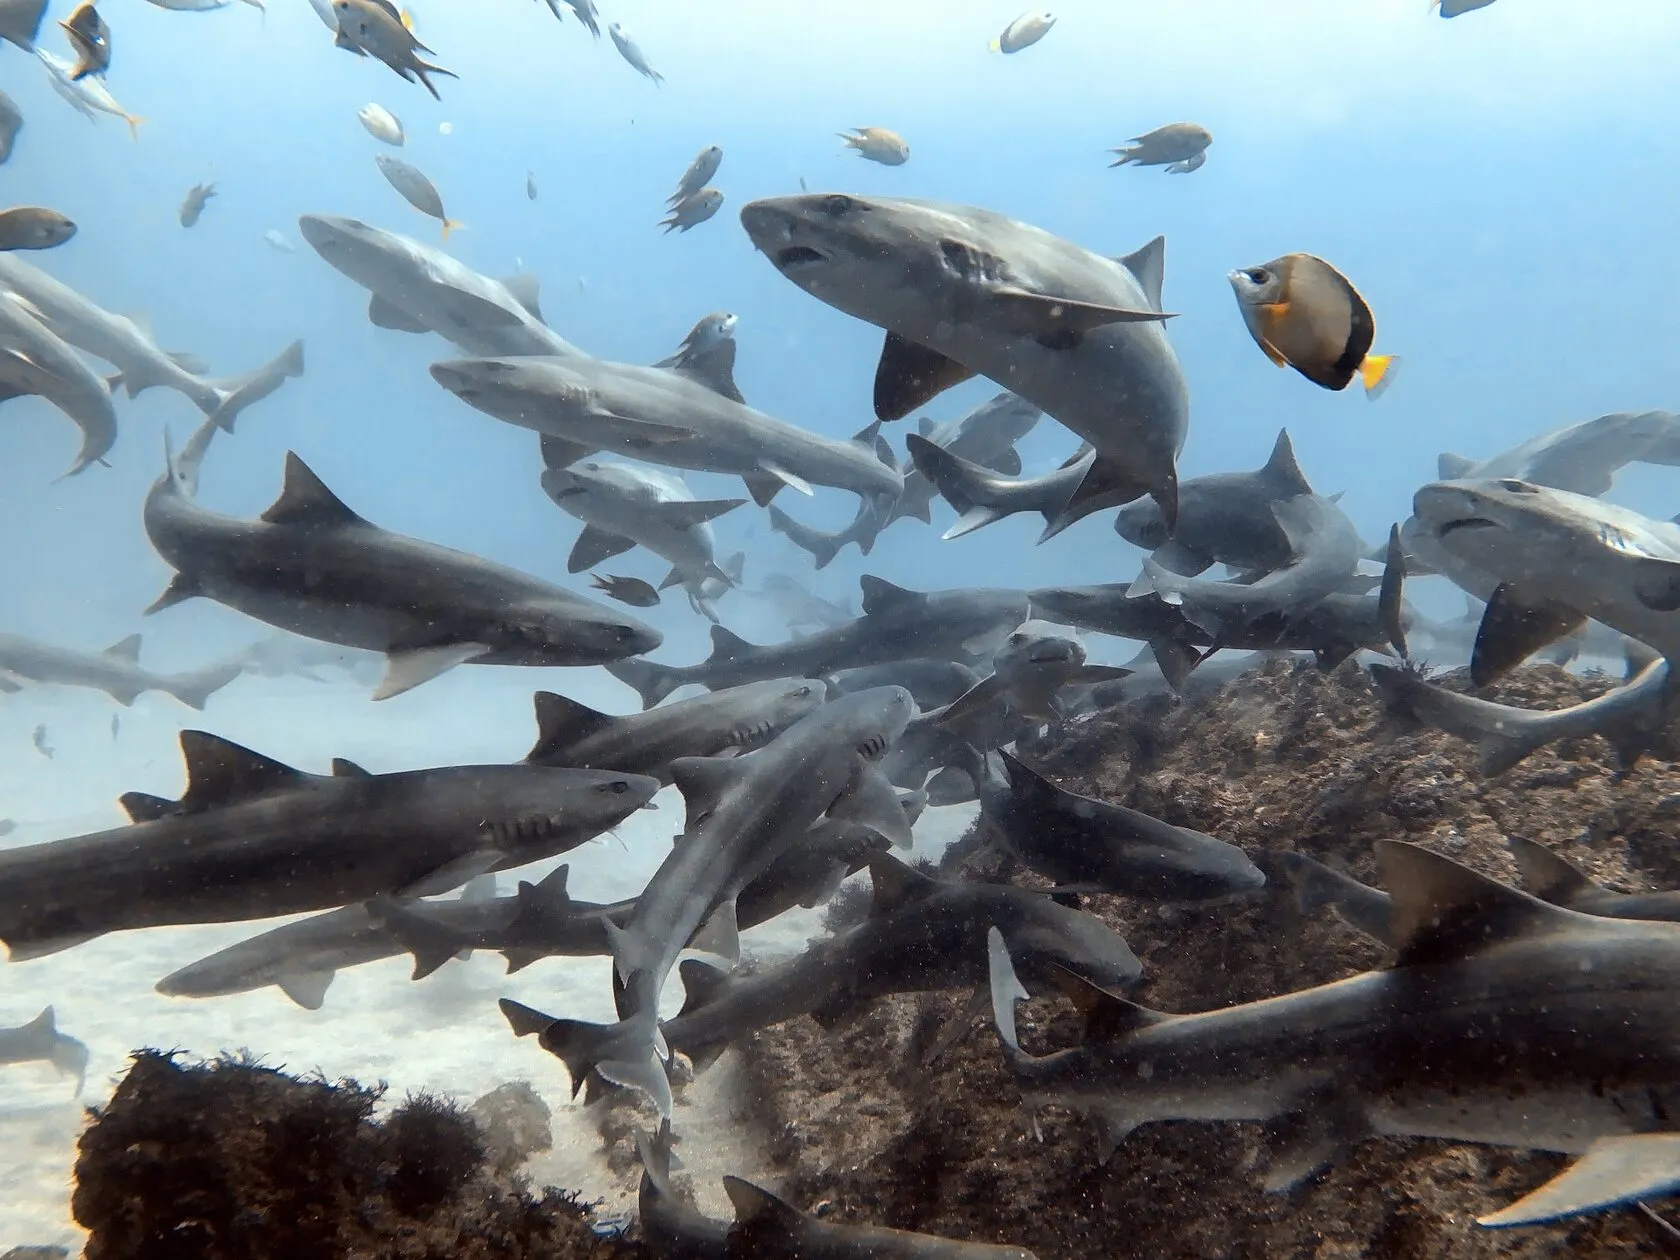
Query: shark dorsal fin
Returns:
{"type": "Point", "coordinates": [344, 768]}
{"type": "Point", "coordinates": [220, 772]}
{"type": "Point", "coordinates": [760, 1217]}
{"type": "Point", "coordinates": [524, 290]}
{"type": "Point", "coordinates": [1450, 467]}
{"type": "Point", "coordinates": [1282, 471]}
{"type": "Point", "coordinates": [926, 425]}
{"type": "Point", "coordinates": [1107, 1016]}
{"type": "Point", "coordinates": [896, 884]}
{"type": "Point", "coordinates": [144, 807]}
{"type": "Point", "coordinates": [1148, 264]}
{"type": "Point", "coordinates": [728, 646]}
{"type": "Point", "coordinates": [703, 781]}
{"type": "Point", "coordinates": [562, 721]}
{"type": "Point", "coordinates": [880, 595]}
{"type": "Point", "coordinates": [305, 500]}
{"type": "Point", "coordinates": [1024, 778]}
{"type": "Point", "coordinates": [125, 649]}
{"type": "Point", "coordinates": [866, 436]}
{"type": "Point", "coordinates": [1549, 876]}
{"type": "Point", "coordinates": [708, 359]}
{"type": "Point", "coordinates": [1444, 911]}
{"type": "Point", "coordinates": [701, 984]}
{"type": "Point", "coordinates": [480, 889]}
{"type": "Point", "coordinates": [551, 888]}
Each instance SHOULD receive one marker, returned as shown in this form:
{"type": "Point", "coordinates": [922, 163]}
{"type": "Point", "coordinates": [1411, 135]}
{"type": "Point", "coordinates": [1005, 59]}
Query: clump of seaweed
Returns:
{"type": "Point", "coordinates": [232, 1160]}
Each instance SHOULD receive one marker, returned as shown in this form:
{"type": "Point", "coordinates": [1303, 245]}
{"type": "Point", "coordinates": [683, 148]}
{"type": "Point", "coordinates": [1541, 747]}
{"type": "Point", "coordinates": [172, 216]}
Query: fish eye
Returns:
{"type": "Point", "coordinates": [1258, 274]}
{"type": "Point", "coordinates": [837, 204]}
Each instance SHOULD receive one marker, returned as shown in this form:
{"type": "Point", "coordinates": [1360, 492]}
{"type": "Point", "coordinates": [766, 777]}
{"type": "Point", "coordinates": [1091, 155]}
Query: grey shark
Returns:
{"type": "Point", "coordinates": [680, 419]}
{"type": "Point", "coordinates": [418, 288]}
{"type": "Point", "coordinates": [1080, 841]}
{"type": "Point", "coordinates": [1583, 458]}
{"type": "Point", "coordinates": [800, 606]}
{"type": "Point", "coordinates": [35, 360]}
{"type": "Point", "coordinates": [922, 935]}
{"type": "Point", "coordinates": [980, 496]}
{"type": "Point", "coordinates": [252, 838]}
{"type": "Point", "coordinates": [963, 291]}
{"type": "Point", "coordinates": [985, 437]}
{"type": "Point", "coordinates": [1558, 558]}
{"type": "Point", "coordinates": [312, 566]}
{"type": "Point", "coordinates": [126, 346]}
{"type": "Point", "coordinates": [1223, 518]}
{"type": "Point", "coordinates": [823, 545]}
{"type": "Point", "coordinates": [1028, 670]}
{"type": "Point", "coordinates": [39, 1041]}
{"type": "Point", "coordinates": [1504, 1020]}
{"type": "Point", "coordinates": [1632, 717]}
{"type": "Point", "coordinates": [116, 671]}
{"type": "Point", "coordinates": [743, 813]}
{"type": "Point", "coordinates": [1324, 551]}
{"type": "Point", "coordinates": [740, 718]}
{"type": "Point", "coordinates": [896, 625]}
{"type": "Point", "coordinates": [623, 506]}
{"type": "Point", "coordinates": [934, 683]}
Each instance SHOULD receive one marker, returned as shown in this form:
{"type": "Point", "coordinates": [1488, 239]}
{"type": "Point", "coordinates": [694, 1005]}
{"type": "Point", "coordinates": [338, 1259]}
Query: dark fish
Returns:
{"type": "Point", "coordinates": [626, 590]}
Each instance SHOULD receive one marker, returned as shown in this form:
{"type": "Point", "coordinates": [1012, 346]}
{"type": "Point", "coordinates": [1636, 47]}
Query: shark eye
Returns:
{"type": "Point", "coordinates": [618, 787]}
{"type": "Point", "coordinates": [1516, 487]}
{"type": "Point", "coordinates": [624, 634]}
{"type": "Point", "coordinates": [837, 204]}
{"type": "Point", "coordinates": [802, 692]}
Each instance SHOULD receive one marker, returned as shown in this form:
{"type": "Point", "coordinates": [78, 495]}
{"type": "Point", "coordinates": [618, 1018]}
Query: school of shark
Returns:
{"type": "Point", "coordinates": [1541, 1017]}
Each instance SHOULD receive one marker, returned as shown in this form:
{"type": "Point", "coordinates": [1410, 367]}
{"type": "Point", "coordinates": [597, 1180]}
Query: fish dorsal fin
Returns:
{"type": "Point", "coordinates": [1282, 471]}
{"type": "Point", "coordinates": [1107, 1016]}
{"type": "Point", "coordinates": [1148, 264]}
{"type": "Point", "coordinates": [524, 290]}
{"type": "Point", "coordinates": [220, 772]}
{"type": "Point", "coordinates": [711, 365]}
{"type": "Point", "coordinates": [125, 649]}
{"type": "Point", "coordinates": [910, 375]}
{"type": "Point", "coordinates": [305, 500]}
{"type": "Point", "coordinates": [1549, 876]}
{"type": "Point", "coordinates": [760, 1216]}
{"type": "Point", "coordinates": [344, 768]}
{"type": "Point", "coordinates": [880, 595]}
{"type": "Point", "coordinates": [703, 782]}
{"type": "Point", "coordinates": [896, 885]}
{"type": "Point", "coordinates": [144, 807]}
{"type": "Point", "coordinates": [1451, 467]}
{"type": "Point", "coordinates": [385, 314]}
{"type": "Point", "coordinates": [562, 721]}
{"type": "Point", "coordinates": [1444, 911]}
{"type": "Point", "coordinates": [728, 646]}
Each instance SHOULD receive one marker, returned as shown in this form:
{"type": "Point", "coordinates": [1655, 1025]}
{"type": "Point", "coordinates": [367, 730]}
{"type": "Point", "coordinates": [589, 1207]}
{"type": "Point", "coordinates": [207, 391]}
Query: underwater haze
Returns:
{"type": "Point", "coordinates": [1499, 188]}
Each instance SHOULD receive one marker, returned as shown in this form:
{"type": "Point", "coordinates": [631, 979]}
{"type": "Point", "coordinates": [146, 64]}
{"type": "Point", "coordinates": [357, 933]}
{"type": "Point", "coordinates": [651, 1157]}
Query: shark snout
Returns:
{"type": "Point", "coordinates": [774, 225]}
{"type": "Point", "coordinates": [328, 231]}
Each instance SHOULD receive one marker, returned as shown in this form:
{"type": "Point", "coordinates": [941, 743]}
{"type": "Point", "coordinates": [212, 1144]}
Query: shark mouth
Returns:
{"type": "Point", "coordinates": [1049, 656]}
{"type": "Point", "coordinates": [793, 257]}
{"type": "Point", "coordinates": [1468, 522]}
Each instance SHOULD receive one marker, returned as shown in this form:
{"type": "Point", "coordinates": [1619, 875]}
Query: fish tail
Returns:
{"type": "Point", "coordinates": [997, 45]}
{"type": "Point", "coordinates": [1377, 372]}
{"type": "Point", "coordinates": [133, 121]}
{"type": "Point", "coordinates": [407, 20]}
{"type": "Point", "coordinates": [451, 225]}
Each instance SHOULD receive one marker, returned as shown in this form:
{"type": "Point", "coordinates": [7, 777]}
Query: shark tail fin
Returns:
{"type": "Point", "coordinates": [652, 681]}
{"type": "Point", "coordinates": [623, 1054]}
{"type": "Point", "coordinates": [196, 688]}
{"type": "Point", "coordinates": [238, 393]}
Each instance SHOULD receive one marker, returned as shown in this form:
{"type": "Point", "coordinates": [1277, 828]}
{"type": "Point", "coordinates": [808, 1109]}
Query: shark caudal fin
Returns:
{"type": "Point", "coordinates": [625, 1053]}
{"type": "Point", "coordinates": [195, 689]}
{"type": "Point", "coordinates": [235, 394]}
{"type": "Point", "coordinates": [652, 681]}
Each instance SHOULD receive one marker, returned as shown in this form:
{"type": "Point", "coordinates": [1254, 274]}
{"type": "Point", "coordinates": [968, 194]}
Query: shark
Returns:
{"type": "Point", "coordinates": [742, 718]}
{"type": "Point", "coordinates": [35, 360]}
{"type": "Point", "coordinates": [313, 566]}
{"type": "Point", "coordinates": [1503, 1020]}
{"type": "Point", "coordinates": [743, 813]}
{"type": "Point", "coordinates": [1095, 845]}
{"type": "Point", "coordinates": [934, 683]}
{"type": "Point", "coordinates": [1028, 669]}
{"type": "Point", "coordinates": [126, 346]}
{"type": "Point", "coordinates": [1582, 458]}
{"type": "Point", "coordinates": [984, 437]}
{"type": "Point", "coordinates": [962, 291]}
{"type": "Point", "coordinates": [252, 838]}
{"type": "Point", "coordinates": [39, 1041]}
{"type": "Point", "coordinates": [897, 625]}
{"type": "Point", "coordinates": [116, 671]}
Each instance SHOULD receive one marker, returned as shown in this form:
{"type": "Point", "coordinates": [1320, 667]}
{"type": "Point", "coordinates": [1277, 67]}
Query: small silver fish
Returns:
{"type": "Point", "coordinates": [632, 53]}
{"type": "Point", "coordinates": [693, 211]}
{"type": "Point", "coordinates": [698, 175]}
{"type": "Point", "coordinates": [381, 124]}
{"type": "Point", "coordinates": [274, 237]}
{"type": "Point", "coordinates": [1024, 32]}
{"type": "Point", "coordinates": [416, 189]}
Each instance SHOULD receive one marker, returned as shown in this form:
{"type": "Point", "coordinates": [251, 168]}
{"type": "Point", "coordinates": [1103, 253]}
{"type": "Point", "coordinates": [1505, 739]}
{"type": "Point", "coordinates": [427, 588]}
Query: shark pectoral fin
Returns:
{"type": "Point", "coordinates": [559, 454]}
{"type": "Point", "coordinates": [1007, 462]}
{"type": "Point", "coordinates": [431, 943]}
{"type": "Point", "coordinates": [976, 698]}
{"type": "Point", "coordinates": [1057, 323]}
{"type": "Point", "coordinates": [307, 988]}
{"type": "Point", "coordinates": [525, 1021]}
{"type": "Point", "coordinates": [1177, 557]}
{"type": "Point", "coordinates": [647, 1075]}
{"type": "Point", "coordinates": [872, 801]}
{"type": "Point", "coordinates": [956, 1031]}
{"type": "Point", "coordinates": [1308, 1139]}
{"type": "Point", "coordinates": [1656, 584]}
{"type": "Point", "coordinates": [703, 782]}
{"type": "Point", "coordinates": [451, 875]}
{"type": "Point", "coordinates": [407, 668]}
{"type": "Point", "coordinates": [1091, 675]}
{"type": "Point", "coordinates": [1391, 606]}
{"type": "Point", "coordinates": [910, 374]}
{"type": "Point", "coordinates": [788, 479]}
{"type": "Point", "coordinates": [1614, 1170]}
{"type": "Point", "coordinates": [526, 290]}
{"type": "Point", "coordinates": [180, 589]}
{"type": "Point", "coordinates": [641, 435]}
{"type": "Point", "coordinates": [1515, 625]}
{"type": "Point", "coordinates": [593, 546]}
{"type": "Point", "coordinates": [717, 943]}
{"type": "Point", "coordinates": [675, 578]}
{"type": "Point", "coordinates": [1006, 989]}
{"type": "Point", "coordinates": [383, 314]}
